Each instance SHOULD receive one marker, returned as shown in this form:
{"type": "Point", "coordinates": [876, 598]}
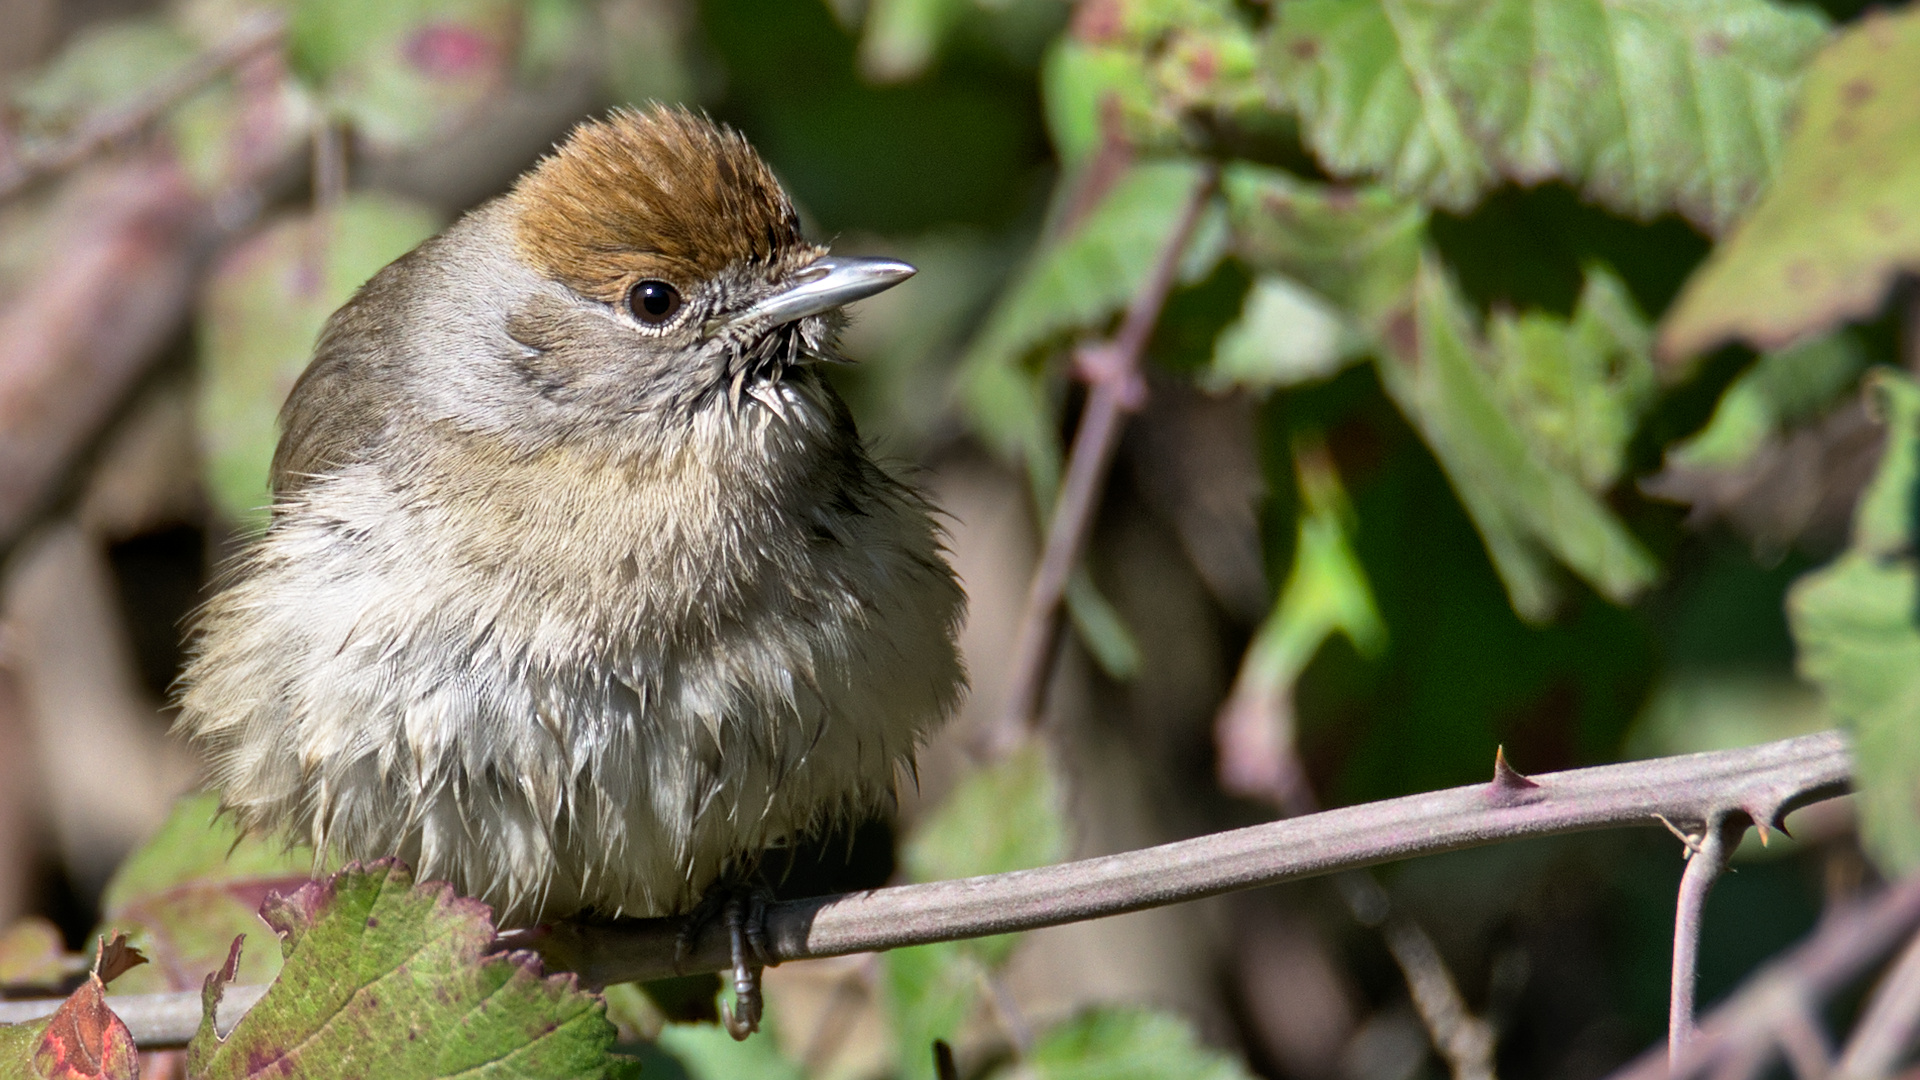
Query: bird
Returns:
{"type": "Point", "coordinates": [579, 588]}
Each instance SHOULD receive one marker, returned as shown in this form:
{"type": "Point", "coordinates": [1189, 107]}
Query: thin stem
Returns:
{"type": "Point", "coordinates": [1765, 781]}
{"type": "Point", "coordinates": [1848, 941]}
{"type": "Point", "coordinates": [1114, 371]}
{"type": "Point", "coordinates": [1885, 1034]}
{"type": "Point", "coordinates": [1707, 857]}
{"type": "Point", "coordinates": [98, 133]}
{"type": "Point", "coordinates": [1465, 1040]}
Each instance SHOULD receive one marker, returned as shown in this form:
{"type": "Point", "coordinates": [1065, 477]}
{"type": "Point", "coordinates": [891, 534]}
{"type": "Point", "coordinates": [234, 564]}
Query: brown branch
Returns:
{"type": "Point", "coordinates": [1766, 782]}
{"type": "Point", "coordinates": [98, 133]}
{"type": "Point", "coordinates": [1886, 1031]}
{"type": "Point", "coordinates": [1707, 855]}
{"type": "Point", "coordinates": [1113, 370]}
{"type": "Point", "coordinates": [1740, 1037]}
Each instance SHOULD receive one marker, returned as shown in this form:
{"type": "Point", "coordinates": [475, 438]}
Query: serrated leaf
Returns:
{"type": "Point", "coordinates": [386, 978]}
{"type": "Point", "coordinates": [1647, 106]}
{"type": "Point", "coordinates": [266, 301]}
{"type": "Point", "coordinates": [1857, 625]}
{"type": "Point", "coordinates": [1285, 335]}
{"type": "Point", "coordinates": [1577, 388]}
{"type": "Point", "coordinates": [403, 70]}
{"type": "Point", "coordinates": [1843, 219]}
{"type": "Point", "coordinates": [1124, 1044]}
{"type": "Point", "coordinates": [187, 892]}
{"type": "Point", "coordinates": [1359, 247]}
{"type": "Point", "coordinates": [1528, 512]}
{"type": "Point", "coordinates": [1782, 388]}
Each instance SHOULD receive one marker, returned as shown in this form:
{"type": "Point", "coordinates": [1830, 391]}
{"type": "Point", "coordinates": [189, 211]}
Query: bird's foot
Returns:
{"type": "Point", "coordinates": [746, 922]}
{"type": "Point", "coordinates": [742, 910]}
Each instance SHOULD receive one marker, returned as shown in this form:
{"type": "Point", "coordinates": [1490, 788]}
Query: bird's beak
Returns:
{"type": "Point", "coordinates": [824, 284]}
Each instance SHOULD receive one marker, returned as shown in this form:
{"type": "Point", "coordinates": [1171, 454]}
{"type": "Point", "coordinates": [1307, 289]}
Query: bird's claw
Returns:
{"type": "Point", "coordinates": [746, 923]}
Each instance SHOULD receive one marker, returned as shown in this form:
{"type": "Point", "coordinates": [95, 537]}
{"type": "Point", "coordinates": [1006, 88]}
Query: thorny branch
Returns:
{"type": "Point", "coordinates": [1762, 782]}
{"type": "Point", "coordinates": [1772, 1010]}
{"type": "Point", "coordinates": [1258, 759]}
{"type": "Point", "coordinates": [1112, 368]}
{"type": "Point", "coordinates": [1707, 855]}
{"type": "Point", "coordinates": [99, 133]}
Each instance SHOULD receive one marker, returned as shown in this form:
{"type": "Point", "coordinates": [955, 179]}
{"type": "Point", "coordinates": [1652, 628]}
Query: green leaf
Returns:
{"type": "Point", "coordinates": [1648, 106]}
{"type": "Point", "coordinates": [1078, 283]}
{"type": "Point", "coordinates": [382, 977]}
{"type": "Point", "coordinates": [403, 70]}
{"type": "Point", "coordinates": [1359, 247]}
{"type": "Point", "coordinates": [1154, 66]}
{"type": "Point", "coordinates": [1286, 335]}
{"type": "Point", "coordinates": [265, 303]}
{"type": "Point", "coordinates": [1326, 591]}
{"type": "Point", "coordinates": [33, 954]}
{"type": "Point", "coordinates": [1007, 816]}
{"type": "Point", "coordinates": [1857, 625]}
{"type": "Point", "coordinates": [1783, 388]}
{"type": "Point", "coordinates": [190, 890]}
{"type": "Point", "coordinates": [1124, 1044]}
{"type": "Point", "coordinates": [1577, 389]}
{"type": "Point", "coordinates": [1841, 222]}
{"type": "Point", "coordinates": [108, 66]}
{"type": "Point", "coordinates": [1528, 511]}
{"type": "Point", "coordinates": [707, 1052]}
{"type": "Point", "coordinates": [901, 37]}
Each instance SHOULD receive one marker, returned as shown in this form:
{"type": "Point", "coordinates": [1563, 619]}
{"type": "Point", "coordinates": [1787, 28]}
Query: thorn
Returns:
{"type": "Point", "coordinates": [1509, 786]}
{"type": "Point", "coordinates": [1761, 827]}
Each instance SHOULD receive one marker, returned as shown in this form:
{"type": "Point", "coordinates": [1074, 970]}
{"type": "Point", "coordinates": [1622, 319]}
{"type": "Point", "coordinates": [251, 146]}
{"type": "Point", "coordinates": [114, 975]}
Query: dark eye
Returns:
{"type": "Point", "coordinates": [653, 302]}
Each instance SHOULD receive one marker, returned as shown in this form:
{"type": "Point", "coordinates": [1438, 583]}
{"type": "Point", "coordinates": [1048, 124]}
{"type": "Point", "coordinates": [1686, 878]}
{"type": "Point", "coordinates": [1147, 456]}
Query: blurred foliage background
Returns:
{"type": "Point", "coordinates": [1525, 371]}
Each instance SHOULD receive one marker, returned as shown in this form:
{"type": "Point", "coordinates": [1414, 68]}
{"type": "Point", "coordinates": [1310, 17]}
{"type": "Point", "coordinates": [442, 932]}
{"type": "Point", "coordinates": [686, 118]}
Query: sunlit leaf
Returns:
{"type": "Point", "coordinates": [385, 978]}
{"type": "Point", "coordinates": [1528, 511]}
{"type": "Point", "coordinates": [1577, 388]}
{"type": "Point", "coordinates": [1782, 388]}
{"type": "Point", "coordinates": [1857, 624]}
{"type": "Point", "coordinates": [1358, 247]}
{"type": "Point", "coordinates": [901, 37]}
{"type": "Point", "coordinates": [265, 303]}
{"type": "Point", "coordinates": [1124, 1044]}
{"type": "Point", "coordinates": [185, 894]}
{"type": "Point", "coordinates": [1843, 219]}
{"type": "Point", "coordinates": [1648, 106]}
{"type": "Point", "coordinates": [1079, 283]}
{"type": "Point", "coordinates": [1285, 335]}
{"type": "Point", "coordinates": [82, 1039]}
{"type": "Point", "coordinates": [33, 954]}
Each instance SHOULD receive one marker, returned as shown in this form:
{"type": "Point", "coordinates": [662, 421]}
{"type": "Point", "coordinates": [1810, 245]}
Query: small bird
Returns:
{"type": "Point", "coordinates": [580, 590]}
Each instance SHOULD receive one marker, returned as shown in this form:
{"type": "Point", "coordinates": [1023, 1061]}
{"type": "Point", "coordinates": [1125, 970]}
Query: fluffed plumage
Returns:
{"type": "Point", "coordinates": [571, 610]}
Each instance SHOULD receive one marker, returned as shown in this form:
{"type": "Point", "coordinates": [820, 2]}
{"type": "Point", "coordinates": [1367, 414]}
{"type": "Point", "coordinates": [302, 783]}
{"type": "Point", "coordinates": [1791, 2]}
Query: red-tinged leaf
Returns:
{"type": "Point", "coordinates": [183, 896]}
{"type": "Point", "coordinates": [382, 977]}
{"type": "Point", "coordinates": [84, 1040]}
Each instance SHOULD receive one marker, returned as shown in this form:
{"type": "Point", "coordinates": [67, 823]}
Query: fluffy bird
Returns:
{"type": "Point", "coordinates": [580, 590]}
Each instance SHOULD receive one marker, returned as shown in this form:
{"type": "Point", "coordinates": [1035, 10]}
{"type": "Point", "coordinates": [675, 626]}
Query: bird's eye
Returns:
{"type": "Point", "coordinates": [653, 302]}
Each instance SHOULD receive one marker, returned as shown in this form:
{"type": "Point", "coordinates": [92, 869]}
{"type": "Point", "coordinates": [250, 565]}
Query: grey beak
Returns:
{"type": "Point", "coordinates": [827, 283]}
